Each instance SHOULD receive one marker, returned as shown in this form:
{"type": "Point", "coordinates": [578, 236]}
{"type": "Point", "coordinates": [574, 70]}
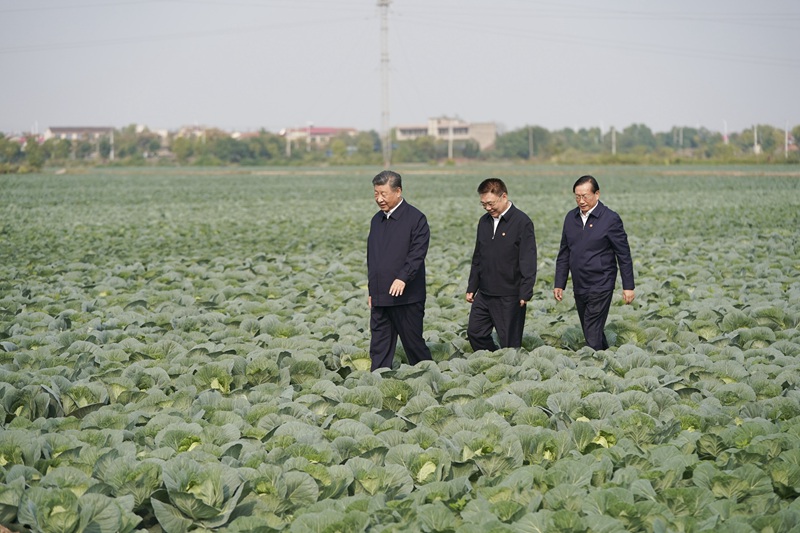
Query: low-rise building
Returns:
{"type": "Point", "coordinates": [315, 135]}
{"type": "Point", "coordinates": [74, 133]}
{"type": "Point", "coordinates": [446, 128]}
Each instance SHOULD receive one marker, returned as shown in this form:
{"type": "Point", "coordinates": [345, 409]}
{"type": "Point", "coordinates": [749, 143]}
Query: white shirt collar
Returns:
{"type": "Point", "coordinates": [589, 212]}
{"type": "Point", "coordinates": [496, 220]}
{"type": "Point", "coordinates": [501, 215]}
{"type": "Point", "coordinates": [392, 210]}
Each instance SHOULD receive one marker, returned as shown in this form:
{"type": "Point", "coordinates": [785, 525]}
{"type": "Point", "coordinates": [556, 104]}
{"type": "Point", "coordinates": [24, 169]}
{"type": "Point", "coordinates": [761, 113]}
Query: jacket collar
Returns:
{"type": "Point", "coordinates": [398, 212]}
{"type": "Point", "coordinates": [598, 212]}
{"type": "Point", "coordinates": [507, 216]}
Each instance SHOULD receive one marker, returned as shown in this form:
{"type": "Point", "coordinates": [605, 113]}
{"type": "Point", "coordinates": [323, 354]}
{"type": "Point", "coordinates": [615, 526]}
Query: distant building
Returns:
{"type": "Point", "coordinates": [240, 135]}
{"type": "Point", "coordinates": [316, 135]}
{"type": "Point", "coordinates": [445, 128]}
{"type": "Point", "coordinates": [192, 131]}
{"type": "Point", "coordinates": [75, 133]}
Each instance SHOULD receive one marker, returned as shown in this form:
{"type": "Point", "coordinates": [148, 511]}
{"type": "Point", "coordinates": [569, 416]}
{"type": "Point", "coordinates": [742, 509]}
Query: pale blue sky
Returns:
{"type": "Point", "coordinates": [251, 64]}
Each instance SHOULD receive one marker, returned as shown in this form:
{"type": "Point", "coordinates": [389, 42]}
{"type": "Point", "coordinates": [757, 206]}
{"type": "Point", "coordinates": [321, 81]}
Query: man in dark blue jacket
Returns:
{"type": "Point", "coordinates": [503, 270]}
{"type": "Point", "coordinates": [593, 242]}
{"type": "Point", "coordinates": [396, 249]}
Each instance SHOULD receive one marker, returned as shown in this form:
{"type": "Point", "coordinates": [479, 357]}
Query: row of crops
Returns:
{"type": "Point", "coordinates": [187, 351]}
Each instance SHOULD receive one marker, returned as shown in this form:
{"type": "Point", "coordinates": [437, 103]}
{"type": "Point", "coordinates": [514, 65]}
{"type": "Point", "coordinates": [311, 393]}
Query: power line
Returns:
{"type": "Point", "coordinates": [65, 6]}
{"type": "Point", "coordinates": [439, 17]}
{"type": "Point", "coordinates": [271, 4]}
{"type": "Point", "coordinates": [45, 47]}
{"type": "Point", "coordinates": [504, 31]}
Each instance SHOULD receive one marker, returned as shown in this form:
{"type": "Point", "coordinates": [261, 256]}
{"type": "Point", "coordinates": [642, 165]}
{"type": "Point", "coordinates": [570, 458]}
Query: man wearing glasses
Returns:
{"type": "Point", "coordinates": [503, 270]}
{"type": "Point", "coordinates": [593, 242]}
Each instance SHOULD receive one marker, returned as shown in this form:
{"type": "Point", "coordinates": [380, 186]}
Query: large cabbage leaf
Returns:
{"type": "Point", "coordinates": [201, 494]}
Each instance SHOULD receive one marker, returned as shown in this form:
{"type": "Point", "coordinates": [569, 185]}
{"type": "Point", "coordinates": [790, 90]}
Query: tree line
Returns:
{"type": "Point", "coordinates": [635, 144]}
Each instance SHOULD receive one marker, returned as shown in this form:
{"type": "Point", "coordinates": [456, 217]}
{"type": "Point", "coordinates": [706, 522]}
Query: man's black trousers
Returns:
{"type": "Point", "coordinates": [504, 314]}
{"type": "Point", "coordinates": [386, 323]}
{"type": "Point", "coordinates": [593, 312]}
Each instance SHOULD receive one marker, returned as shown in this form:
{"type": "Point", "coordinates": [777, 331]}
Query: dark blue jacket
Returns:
{"type": "Point", "coordinates": [396, 249]}
{"type": "Point", "coordinates": [591, 253]}
{"type": "Point", "coordinates": [504, 262]}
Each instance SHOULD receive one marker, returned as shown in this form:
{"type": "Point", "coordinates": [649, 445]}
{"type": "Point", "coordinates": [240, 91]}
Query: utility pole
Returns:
{"type": "Point", "coordinates": [613, 141]}
{"type": "Point", "coordinates": [755, 139]}
{"type": "Point", "coordinates": [450, 141]}
{"type": "Point", "coordinates": [385, 128]}
{"type": "Point", "coordinates": [530, 144]}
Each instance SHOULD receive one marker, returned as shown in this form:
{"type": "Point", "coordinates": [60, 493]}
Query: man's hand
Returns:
{"type": "Point", "coordinates": [627, 296]}
{"type": "Point", "coordinates": [470, 297]}
{"type": "Point", "coordinates": [369, 301]}
{"type": "Point", "coordinates": [522, 303]}
{"type": "Point", "coordinates": [397, 288]}
{"type": "Point", "coordinates": [558, 294]}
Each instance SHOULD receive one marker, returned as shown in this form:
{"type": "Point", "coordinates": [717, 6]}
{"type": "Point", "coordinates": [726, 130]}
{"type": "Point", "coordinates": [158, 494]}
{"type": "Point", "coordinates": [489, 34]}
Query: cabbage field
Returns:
{"type": "Point", "coordinates": [186, 350]}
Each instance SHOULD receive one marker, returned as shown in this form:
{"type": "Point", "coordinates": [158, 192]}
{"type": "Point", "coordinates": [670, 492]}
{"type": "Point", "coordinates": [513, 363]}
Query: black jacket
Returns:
{"type": "Point", "coordinates": [591, 252]}
{"type": "Point", "coordinates": [396, 249]}
{"type": "Point", "coordinates": [504, 262]}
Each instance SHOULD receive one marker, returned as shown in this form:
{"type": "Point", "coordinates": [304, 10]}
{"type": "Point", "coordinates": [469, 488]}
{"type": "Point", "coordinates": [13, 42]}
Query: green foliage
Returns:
{"type": "Point", "coordinates": [197, 495]}
{"type": "Point", "coordinates": [635, 144]}
{"type": "Point", "coordinates": [60, 510]}
{"type": "Point", "coordinates": [189, 350]}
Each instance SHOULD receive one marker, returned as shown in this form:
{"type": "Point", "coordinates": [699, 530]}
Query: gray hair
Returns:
{"type": "Point", "coordinates": [387, 176]}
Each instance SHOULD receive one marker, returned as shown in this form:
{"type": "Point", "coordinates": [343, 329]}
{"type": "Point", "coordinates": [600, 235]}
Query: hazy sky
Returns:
{"type": "Point", "coordinates": [251, 64]}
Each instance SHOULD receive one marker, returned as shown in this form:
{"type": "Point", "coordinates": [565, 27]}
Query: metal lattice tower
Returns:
{"type": "Point", "coordinates": [386, 136]}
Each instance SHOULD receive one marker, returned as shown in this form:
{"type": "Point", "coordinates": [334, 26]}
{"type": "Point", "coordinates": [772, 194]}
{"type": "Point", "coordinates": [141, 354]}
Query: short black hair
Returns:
{"type": "Point", "coordinates": [586, 179]}
{"type": "Point", "coordinates": [493, 185]}
{"type": "Point", "coordinates": [388, 176]}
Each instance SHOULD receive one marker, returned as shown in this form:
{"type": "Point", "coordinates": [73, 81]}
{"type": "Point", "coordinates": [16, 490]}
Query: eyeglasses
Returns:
{"type": "Point", "coordinates": [493, 203]}
{"type": "Point", "coordinates": [584, 197]}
